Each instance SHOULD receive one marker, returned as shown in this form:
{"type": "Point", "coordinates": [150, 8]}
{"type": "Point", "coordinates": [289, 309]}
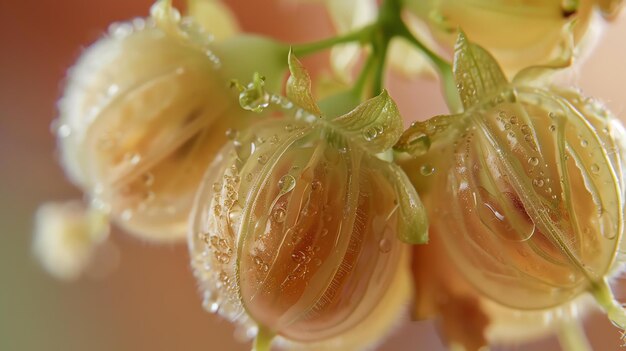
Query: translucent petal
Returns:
{"type": "Point", "coordinates": [306, 222]}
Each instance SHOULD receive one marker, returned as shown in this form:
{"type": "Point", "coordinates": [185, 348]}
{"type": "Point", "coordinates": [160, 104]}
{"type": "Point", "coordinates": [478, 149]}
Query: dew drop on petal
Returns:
{"type": "Point", "coordinates": [286, 183]}
{"type": "Point", "coordinates": [384, 245]}
{"type": "Point", "coordinates": [533, 161]}
{"type": "Point", "coordinates": [427, 170]}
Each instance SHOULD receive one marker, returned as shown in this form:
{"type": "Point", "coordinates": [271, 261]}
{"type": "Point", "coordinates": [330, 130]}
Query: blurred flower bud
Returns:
{"type": "Point", "coordinates": [518, 33]}
{"type": "Point", "coordinates": [529, 200]}
{"type": "Point", "coordinates": [146, 108]}
{"type": "Point", "coordinates": [294, 229]}
{"type": "Point", "coordinates": [65, 237]}
{"type": "Point", "coordinates": [214, 17]}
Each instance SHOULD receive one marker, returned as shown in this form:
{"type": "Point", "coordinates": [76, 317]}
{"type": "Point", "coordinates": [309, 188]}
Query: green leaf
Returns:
{"type": "Point", "coordinates": [477, 74]}
{"type": "Point", "coordinates": [299, 86]}
{"type": "Point", "coordinates": [412, 225]}
{"type": "Point", "coordinates": [375, 124]}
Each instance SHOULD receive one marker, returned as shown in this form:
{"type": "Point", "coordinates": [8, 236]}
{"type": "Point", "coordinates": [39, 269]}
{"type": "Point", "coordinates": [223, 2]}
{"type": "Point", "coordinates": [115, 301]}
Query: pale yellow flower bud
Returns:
{"type": "Point", "coordinates": [518, 33]}
{"type": "Point", "coordinates": [144, 111]}
{"type": "Point", "coordinates": [295, 228]}
{"type": "Point", "coordinates": [525, 190]}
{"type": "Point", "coordinates": [66, 235]}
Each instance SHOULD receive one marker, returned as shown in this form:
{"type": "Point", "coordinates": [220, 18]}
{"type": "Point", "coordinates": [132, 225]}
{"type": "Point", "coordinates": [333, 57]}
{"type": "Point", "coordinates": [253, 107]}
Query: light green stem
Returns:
{"type": "Point", "coordinates": [571, 335]}
{"type": "Point", "coordinates": [263, 340]}
{"type": "Point", "coordinates": [362, 35]}
{"type": "Point", "coordinates": [601, 291]}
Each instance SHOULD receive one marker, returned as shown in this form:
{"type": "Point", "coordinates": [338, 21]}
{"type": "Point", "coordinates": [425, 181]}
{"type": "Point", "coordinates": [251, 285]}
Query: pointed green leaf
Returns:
{"type": "Point", "coordinates": [375, 124]}
{"type": "Point", "coordinates": [299, 86]}
{"type": "Point", "coordinates": [412, 225]}
{"type": "Point", "coordinates": [477, 74]}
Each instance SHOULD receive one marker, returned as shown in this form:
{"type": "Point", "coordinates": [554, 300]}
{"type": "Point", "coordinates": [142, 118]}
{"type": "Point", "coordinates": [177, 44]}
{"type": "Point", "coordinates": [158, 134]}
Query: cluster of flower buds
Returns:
{"type": "Point", "coordinates": [303, 220]}
{"type": "Point", "coordinates": [136, 130]}
{"type": "Point", "coordinates": [524, 188]}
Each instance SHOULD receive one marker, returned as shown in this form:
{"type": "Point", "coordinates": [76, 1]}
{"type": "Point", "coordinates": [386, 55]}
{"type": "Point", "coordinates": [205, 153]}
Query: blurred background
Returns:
{"type": "Point", "coordinates": [146, 298]}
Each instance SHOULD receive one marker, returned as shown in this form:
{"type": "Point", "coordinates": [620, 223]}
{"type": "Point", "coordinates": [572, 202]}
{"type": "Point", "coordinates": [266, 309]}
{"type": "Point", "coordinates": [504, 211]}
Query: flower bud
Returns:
{"type": "Point", "coordinates": [295, 226]}
{"type": "Point", "coordinates": [144, 110]}
{"type": "Point", "coordinates": [529, 204]}
{"type": "Point", "coordinates": [65, 237]}
{"type": "Point", "coordinates": [517, 33]}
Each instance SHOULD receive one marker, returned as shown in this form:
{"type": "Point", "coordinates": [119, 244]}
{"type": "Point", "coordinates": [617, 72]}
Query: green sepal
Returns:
{"type": "Point", "coordinates": [299, 86]}
{"type": "Point", "coordinates": [375, 124]}
{"type": "Point", "coordinates": [412, 225]}
{"type": "Point", "coordinates": [476, 72]}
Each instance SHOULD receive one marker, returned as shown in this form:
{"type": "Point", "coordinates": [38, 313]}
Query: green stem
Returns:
{"type": "Point", "coordinates": [571, 335]}
{"type": "Point", "coordinates": [380, 54]}
{"type": "Point", "coordinates": [601, 291]}
{"type": "Point", "coordinates": [361, 81]}
{"type": "Point", "coordinates": [445, 69]}
{"type": "Point", "coordinates": [362, 36]}
{"type": "Point", "coordinates": [263, 340]}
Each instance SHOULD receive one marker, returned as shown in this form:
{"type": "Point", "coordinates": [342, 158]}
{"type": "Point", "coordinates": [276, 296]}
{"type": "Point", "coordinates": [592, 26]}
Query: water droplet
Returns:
{"type": "Point", "coordinates": [427, 170]}
{"type": "Point", "coordinates": [370, 134]}
{"type": "Point", "coordinates": [217, 187]}
{"type": "Point", "coordinates": [299, 256]}
{"type": "Point", "coordinates": [512, 225]}
{"type": "Point", "coordinates": [533, 161]}
{"type": "Point", "coordinates": [507, 126]}
{"type": "Point", "coordinates": [232, 134]}
{"type": "Point", "coordinates": [418, 143]}
{"type": "Point", "coordinates": [513, 120]}
{"type": "Point", "coordinates": [595, 168]}
{"type": "Point", "coordinates": [254, 99]}
{"type": "Point", "coordinates": [210, 303]}
{"type": "Point", "coordinates": [384, 245]}
{"type": "Point", "coordinates": [279, 214]}
{"type": "Point", "coordinates": [262, 159]}
{"type": "Point", "coordinates": [552, 128]}
{"type": "Point", "coordinates": [64, 131]}
{"type": "Point", "coordinates": [289, 128]}
{"type": "Point", "coordinates": [316, 185]}
{"type": "Point", "coordinates": [525, 129]}
{"type": "Point", "coordinates": [286, 183]}
{"type": "Point", "coordinates": [538, 182]}
{"type": "Point", "coordinates": [584, 143]}
{"type": "Point", "coordinates": [324, 232]}
{"type": "Point", "coordinates": [133, 159]}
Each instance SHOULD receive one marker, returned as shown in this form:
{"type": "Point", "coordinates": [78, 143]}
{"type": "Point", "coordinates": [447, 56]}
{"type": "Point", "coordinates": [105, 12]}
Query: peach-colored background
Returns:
{"type": "Point", "coordinates": [149, 302]}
